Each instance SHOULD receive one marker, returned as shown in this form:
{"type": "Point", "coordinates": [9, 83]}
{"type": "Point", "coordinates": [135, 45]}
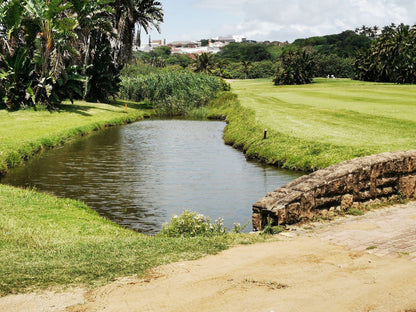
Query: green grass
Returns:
{"type": "Point", "coordinates": [25, 133]}
{"type": "Point", "coordinates": [50, 242]}
{"type": "Point", "coordinates": [46, 241]}
{"type": "Point", "coordinates": [331, 120]}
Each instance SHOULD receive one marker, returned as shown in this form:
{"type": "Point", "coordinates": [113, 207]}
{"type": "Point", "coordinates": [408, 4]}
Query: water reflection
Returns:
{"type": "Point", "coordinates": [140, 174]}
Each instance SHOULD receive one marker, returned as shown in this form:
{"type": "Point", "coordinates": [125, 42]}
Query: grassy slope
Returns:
{"type": "Point", "coordinates": [333, 120]}
{"type": "Point", "coordinates": [47, 241]}
{"type": "Point", "coordinates": [24, 133]}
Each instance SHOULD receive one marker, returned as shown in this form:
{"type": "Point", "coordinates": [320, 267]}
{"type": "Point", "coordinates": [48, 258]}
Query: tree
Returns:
{"type": "Point", "coordinates": [56, 49]}
{"type": "Point", "coordinates": [250, 52]}
{"type": "Point", "coordinates": [55, 27]}
{"type": "Point", "coordinates": [297, 68]}
{"type": "Point", "coordinates": [391, 57]}
{"type": "Point", "coordinates": [130, 17]}
{"type": "Point", "coordinates": [246, 67]}
{"type": "Point", "coordinates": [203, 63]}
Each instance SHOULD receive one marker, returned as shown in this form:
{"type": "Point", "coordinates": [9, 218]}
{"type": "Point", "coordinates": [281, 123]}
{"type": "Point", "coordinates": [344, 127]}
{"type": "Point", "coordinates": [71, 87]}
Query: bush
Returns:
{"type": "Point", "coordinates": [272, 229]}
{"type": "Point", "coordinates": [191, 224]}
{"type": "Point", "coordinates": [264, 69]}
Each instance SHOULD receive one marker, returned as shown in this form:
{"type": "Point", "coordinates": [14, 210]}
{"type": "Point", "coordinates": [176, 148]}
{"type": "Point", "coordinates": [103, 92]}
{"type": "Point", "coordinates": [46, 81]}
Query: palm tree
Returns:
{"type": "Point", "coordinates": [55, 25]}
{"type": "Point", "coordinates": [203, 63]}
{"type": "Point", "coordinates": [246, 68]}
{"type": "Point", "coordinates": [130, 17]}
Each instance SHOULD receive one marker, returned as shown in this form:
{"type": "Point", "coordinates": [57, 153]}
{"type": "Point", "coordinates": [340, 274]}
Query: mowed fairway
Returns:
{"type": "Point", "coordinates": [374, 117]}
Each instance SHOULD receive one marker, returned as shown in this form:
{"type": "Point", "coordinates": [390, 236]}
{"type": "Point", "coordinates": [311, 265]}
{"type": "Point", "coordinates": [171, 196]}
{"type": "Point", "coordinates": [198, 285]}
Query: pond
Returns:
{"type": "Point", "coordinates": [141, 174]}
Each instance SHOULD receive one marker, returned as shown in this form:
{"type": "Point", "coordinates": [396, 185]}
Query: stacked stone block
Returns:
{"type": "Point", "coordinates": [339, 187]}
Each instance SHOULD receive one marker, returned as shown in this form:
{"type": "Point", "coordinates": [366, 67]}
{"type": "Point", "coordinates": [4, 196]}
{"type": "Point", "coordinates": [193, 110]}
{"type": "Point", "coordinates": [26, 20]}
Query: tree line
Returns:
{"type": "Point", "coordinates": [51, 50]}
{"type": "Point", "coordinates": [332, 54]}
{"type": "Point", "coordinates": [385, 54]}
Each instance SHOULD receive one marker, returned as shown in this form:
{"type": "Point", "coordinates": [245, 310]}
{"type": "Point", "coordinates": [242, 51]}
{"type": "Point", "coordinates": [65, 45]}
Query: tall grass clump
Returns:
{"type": "Point", "coordinates": [172, 92]}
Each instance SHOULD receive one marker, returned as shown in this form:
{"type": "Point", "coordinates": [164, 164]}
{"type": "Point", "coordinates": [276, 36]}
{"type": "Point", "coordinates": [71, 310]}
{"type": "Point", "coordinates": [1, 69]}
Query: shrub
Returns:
{"type": "Point", "coordinates": [191, 224]}
{"type": "Point", "coordinates": [272, 229]}
{"type": "Point", "coordinates": [263, 69]}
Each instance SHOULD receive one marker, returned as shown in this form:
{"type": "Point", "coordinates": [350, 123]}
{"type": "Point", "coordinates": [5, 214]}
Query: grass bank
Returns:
{"type": "Point", "coordinates": [47, 241]}
{"type": "Point", "coordinates": [317, 125]}
{"type": "Point", "coordinates": [27, 132]}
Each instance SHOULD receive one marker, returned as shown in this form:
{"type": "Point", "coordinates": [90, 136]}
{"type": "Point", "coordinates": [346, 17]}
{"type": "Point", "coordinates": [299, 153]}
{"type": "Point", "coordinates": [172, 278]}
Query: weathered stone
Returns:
{"type": "Point", "coordinates": [281, 216]}
{"type": "Point", "coordinates": [293, 213]}
{"type": "Point", "coordinates": [362, 196]}
{"type": "Point", "coordinates": [349, 184]}
{"type": "Point", "coordinates": [325, 202]}
{"type": "Point", "coordinates": [256, 220]}
{"type": "Point", "coordinates": [387, 181]}
{"type": "Point", "coordinates": [346, 201]}
{"type": "Point", "coordinates": [407, 186]}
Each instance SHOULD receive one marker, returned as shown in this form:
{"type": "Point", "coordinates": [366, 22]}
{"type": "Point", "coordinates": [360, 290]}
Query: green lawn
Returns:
{"type": "Point", "coordinates": [360, 117]}
{"type": "Point", "coordinates": [24, 133]}
{"type": "Point", "coordinates": [47, 241]}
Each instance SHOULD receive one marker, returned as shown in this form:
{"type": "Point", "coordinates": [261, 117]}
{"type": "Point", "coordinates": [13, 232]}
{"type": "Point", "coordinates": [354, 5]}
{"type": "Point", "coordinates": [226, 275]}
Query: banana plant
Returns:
{"type": "Point", "coordinates": [55, 25]}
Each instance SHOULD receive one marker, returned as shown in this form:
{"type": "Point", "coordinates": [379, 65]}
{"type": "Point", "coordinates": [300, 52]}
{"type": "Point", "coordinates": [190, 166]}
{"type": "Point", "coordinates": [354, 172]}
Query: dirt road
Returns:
{"type": "Point", "coordinates": [354, 264]}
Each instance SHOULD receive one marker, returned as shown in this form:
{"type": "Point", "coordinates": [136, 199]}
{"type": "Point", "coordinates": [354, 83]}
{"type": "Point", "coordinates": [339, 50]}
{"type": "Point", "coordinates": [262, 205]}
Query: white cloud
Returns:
{"type": "Point", "coordinates": [288, 20]}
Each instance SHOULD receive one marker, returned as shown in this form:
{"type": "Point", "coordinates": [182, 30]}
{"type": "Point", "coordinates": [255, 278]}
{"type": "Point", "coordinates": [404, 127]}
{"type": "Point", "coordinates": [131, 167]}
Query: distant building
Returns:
{"type": "Point", "coordinates": [239, 39]}
{"type": "Point", "coordinates": [149, 46]}
{"type": "Point", "coordinates": [217, 44]}
{"type": "Point", "coordinates": [183, 44]}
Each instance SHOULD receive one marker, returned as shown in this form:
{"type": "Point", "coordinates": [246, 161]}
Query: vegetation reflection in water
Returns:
{"type": "Point", "coordinates": [140, 174]}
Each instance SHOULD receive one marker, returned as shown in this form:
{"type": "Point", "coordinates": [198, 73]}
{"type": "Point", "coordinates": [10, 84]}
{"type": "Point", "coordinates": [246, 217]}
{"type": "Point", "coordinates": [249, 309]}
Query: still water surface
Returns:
{"type": "Point", "coordinates": [141, 174]}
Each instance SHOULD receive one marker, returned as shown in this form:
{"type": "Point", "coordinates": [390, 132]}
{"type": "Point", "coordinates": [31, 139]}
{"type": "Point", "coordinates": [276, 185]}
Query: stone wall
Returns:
{"type": "Point", "coordinates": [352, 183]}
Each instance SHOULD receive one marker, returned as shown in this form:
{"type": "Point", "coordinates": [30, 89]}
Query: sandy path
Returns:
{"type": "Point", "coordinates": [306, 271]}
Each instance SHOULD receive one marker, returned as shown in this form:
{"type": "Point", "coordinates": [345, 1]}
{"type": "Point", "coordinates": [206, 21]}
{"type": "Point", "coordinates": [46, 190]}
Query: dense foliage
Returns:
{"type": "Point", "coordinates": [56, 49]}
{"type": "Point", "coordinates": [172, 92]}
{"type": "Point", "coordinates": [328, 65]}
{"type": "Point", "coordinates": [297, 68]}
{"type": "Point", "coordinates": [391, 57]}
{"type": "Point", "coordinates": [251, 52]}
{"type": "Point", "coordinates": [334, 55]}
{"type": "Point", "coordinates": [345, 44]}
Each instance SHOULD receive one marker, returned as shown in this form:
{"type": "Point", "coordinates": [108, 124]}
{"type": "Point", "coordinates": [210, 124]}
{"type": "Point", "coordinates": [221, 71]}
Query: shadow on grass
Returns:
{"type": "Point", "coordinates": [84, 108]}
{"type": "Point", "coordinates": [74, 108]}
{"type": "Point", "coordinates": [131, 104]}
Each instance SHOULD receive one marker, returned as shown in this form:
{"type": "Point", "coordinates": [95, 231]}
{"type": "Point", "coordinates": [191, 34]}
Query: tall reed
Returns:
{"type": "Point", "coordinates": [172, 92]}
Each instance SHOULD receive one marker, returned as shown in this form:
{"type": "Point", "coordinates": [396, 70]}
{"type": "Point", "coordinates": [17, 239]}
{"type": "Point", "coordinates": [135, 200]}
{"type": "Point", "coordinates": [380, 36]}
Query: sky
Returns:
{"type": "Point", "coordinates": [281, 20]}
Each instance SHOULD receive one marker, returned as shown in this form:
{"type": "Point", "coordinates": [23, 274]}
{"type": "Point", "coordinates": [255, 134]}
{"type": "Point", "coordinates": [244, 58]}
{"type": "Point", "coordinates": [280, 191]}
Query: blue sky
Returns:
{"type": "Point", "coordinates": [277, 19]}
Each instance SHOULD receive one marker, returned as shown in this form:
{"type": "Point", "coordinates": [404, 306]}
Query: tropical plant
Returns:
{"type": "Point", "coordinates": [130, 17]}
{"type": "Point", "coordinates": [15, 76]}
{"type": "Point", "coordinates": [203, 63]}
{"type": "Point", "coordinates": [391, 57]}
{"type": "Point", "coordinates": [246, 67]}
{"type": "Point", "coordinates": [56, 49]}
{"type": "Point", "coordinates": [297, 67]}
{"type": "Point", "coordinates": [54, 24]}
